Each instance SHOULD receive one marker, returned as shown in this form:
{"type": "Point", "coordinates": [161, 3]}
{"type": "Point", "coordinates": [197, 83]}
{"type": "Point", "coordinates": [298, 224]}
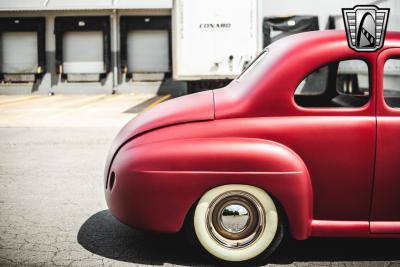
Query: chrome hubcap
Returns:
{"type": "Point", "coordinates": [235, 219]}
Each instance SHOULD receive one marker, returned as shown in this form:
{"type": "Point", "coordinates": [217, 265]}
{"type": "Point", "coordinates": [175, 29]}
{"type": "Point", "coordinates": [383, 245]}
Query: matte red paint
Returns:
{"type": "Point", "coordinates": [252, 132]}
{"type": "Point", "coordinates": [187, 168]}
{"type": "Point", "coordinates": [385, 227]}
{"type": "Point", "coordinates": [194, 108]}
{"type": "Point", "coordinates": [386, 204]}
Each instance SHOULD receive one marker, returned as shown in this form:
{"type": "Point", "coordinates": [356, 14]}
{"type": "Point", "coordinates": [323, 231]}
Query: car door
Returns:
{"type": "Point", "coordinates": [385, 210]}
{"type": "Point", "coordinates": [336, 138]}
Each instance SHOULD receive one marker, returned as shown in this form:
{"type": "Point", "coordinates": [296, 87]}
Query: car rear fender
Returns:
{"type": "Point", "coordinates": [173, 175]}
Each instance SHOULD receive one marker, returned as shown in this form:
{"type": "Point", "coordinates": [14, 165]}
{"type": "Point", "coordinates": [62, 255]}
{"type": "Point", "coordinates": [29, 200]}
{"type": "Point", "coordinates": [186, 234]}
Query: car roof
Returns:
{"type": "Point", "coordinates": [316, 38]}
{"type": "Point", "coordinates": [315, 47]}
{"type": "Point", "coordinates": [284, 66]}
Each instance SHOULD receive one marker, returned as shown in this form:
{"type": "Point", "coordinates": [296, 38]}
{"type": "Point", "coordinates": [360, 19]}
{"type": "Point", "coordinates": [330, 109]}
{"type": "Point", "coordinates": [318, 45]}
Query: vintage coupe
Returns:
{"type": "Point", "coordinates": [305, 142]}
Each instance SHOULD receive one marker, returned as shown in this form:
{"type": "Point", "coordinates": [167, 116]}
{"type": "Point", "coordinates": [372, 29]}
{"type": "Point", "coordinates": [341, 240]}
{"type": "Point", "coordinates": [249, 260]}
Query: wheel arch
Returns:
{"type": "Point", "coordinates": [187, 169]}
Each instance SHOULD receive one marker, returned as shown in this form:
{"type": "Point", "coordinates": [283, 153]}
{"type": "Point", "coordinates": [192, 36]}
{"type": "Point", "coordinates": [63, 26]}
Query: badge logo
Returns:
{"type": "Point", "coordinates": [365, 27]}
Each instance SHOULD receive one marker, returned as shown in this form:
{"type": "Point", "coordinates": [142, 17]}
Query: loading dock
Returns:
{"type": "Point", "coordinates": [22, 49]}
{"type": "Point", "coordinates": [145, 46]}
{"type": "Point", "coordinates": [83, 48]}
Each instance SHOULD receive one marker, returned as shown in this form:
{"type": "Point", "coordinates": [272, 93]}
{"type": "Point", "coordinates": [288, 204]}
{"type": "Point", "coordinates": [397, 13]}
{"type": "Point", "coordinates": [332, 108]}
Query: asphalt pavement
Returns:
{"type": "Point", "coordinates": [52, 208]}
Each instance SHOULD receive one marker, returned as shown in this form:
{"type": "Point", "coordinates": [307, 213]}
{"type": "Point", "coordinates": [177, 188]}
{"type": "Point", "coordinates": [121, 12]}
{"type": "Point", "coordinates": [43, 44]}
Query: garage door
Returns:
{"type": "Point", "coordinates": [19, 52]}
{"type": "Point", "coordinates": [83, 52]}
{"type": "Point", "coordinates": [148, 51]}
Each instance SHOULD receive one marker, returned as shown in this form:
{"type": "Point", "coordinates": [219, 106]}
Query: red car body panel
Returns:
{"type": "Point", "coordinates": [189, 167]}
{"type": "Point", "coordinates": [386, 205]}
{"type": "Point", "coordinates": [195, 108]}
{"type": "Point", "coordinates": [252, 132]}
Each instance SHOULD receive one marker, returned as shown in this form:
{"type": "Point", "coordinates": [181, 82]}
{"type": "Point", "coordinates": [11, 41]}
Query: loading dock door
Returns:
{"type": "Point", "coordinates": [145, 45]}
{"type": "Point", "coordinates": [83, 47]}
{"type": "Point", "coordinates": [148, 51]}
{"type": "Point", "coordinates": [22, 49]}
{"type": "Point", "coordinates": [83, 52]}
{"type": "Point", "coordinates": [19, 52]}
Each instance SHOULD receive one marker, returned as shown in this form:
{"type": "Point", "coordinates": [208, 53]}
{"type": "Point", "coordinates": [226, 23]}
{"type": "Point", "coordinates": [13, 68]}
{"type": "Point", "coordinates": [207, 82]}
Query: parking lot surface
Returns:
{"type": "Point", "coordinates": [52, 208]}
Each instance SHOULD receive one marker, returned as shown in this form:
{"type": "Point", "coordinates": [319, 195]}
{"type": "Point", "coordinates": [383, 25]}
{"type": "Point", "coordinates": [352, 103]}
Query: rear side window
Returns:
{"type": "Point", "coordinates": [391, 82]}
{"type": "Point", "coordinates": [338, 84]}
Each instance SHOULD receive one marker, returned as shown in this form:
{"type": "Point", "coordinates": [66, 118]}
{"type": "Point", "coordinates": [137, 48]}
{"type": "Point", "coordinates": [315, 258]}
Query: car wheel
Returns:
{"type": "Point", "coordinates": [237, 224]}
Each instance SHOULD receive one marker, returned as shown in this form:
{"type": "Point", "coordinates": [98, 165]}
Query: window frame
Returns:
{"type": "Point", "coordinates": [382, 109]}
{"type": "Point", "coordinates": [370, 86]}
{"type": "Point", "coordinates": [390, 57]}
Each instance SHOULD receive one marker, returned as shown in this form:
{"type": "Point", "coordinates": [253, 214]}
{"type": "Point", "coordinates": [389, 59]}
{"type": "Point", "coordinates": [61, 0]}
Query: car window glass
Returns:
{"type": "Point", "coordinates": [314, 83]}
{"type": "Point", "coordinates": [338, 84]}
{"type": "Point", "coordinates": [391, 82]}
{"type": "Point", "coordinates": [352, 78]}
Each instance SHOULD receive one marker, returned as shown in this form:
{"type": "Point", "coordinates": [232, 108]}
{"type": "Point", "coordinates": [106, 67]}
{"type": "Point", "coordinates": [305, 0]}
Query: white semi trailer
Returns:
{"type": "Point", "coordinates": [214, 40]}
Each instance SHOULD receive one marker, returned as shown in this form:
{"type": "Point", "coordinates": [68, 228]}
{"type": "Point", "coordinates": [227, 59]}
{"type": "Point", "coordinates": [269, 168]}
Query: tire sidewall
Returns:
{"type": "Point", "coordinates": [255, 249]}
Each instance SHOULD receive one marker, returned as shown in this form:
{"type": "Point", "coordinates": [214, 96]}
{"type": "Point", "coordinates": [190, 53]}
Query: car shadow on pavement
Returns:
{"type": "Point", "coordinates": [103, 235]}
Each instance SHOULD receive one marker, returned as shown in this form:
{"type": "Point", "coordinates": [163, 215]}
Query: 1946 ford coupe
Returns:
{"type": "Point", "coordinates": [305, 142]}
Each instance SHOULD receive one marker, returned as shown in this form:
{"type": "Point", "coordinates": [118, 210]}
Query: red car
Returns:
{"type": "Point", "coordinates": [305, 142]}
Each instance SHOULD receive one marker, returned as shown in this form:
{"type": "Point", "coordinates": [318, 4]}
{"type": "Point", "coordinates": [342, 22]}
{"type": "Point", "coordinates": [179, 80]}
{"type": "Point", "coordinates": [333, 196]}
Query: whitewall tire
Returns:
{"type": "Point", "coordinates": [236, 223]}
